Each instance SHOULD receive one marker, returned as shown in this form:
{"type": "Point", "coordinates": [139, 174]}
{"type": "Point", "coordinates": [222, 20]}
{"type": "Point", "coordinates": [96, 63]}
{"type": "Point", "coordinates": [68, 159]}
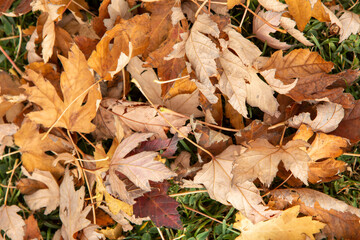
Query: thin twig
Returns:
{"type": "Point", "coordinates": [12, 174]}
{"type": "Point", "coordinates": [8, 38]}
{"type": "Point", "coordinates": [9, 154]}
{"type": "Point", "coordinates": [20, 41]}
{"type": "Point", "coordinates": [160, 233]}
{"type": "Point", "coordinates": [187, 193]}
{"type": "Point", "coordinates": [351, 154]}
{"type": "Point", "coordinates": [278, 185]}
{"type": "Point", "coordinates": [22, 74]}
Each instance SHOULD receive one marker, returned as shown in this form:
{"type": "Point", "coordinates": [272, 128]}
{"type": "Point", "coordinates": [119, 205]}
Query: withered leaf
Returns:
{"type": "Point", "coordinates": [32, 230]}
{"type": "Point", "coordinates": [77, 84]}
{"type": "Point", "coordinates": [158, 206]}
{"type": "Point", "coordinates": [11, 223]}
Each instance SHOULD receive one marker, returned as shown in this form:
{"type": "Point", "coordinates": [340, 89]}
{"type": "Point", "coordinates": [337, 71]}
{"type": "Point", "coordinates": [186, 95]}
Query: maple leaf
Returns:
{"type": "Point", "coordinates": [327, 119]}
{"type": "Point", "coordinates": [158, 206]}
{"type": "Point", "coordinates": [286, 226]}
{"type": "Point", "coordinates": [216, 177]}
{"type": "Point", "coordinates": [31, 228]}
{"type": "Point", "coordinates": [302, 11]}
{"type": "Point", "coordinates": [342, 220]}
{"type": "Point", "coordinates": [141, 167]}
{"type": "Point", "coordinates": [130, 39]}
{"type": "Point", "coordinates": [76, 85]}
{"type": "Point", "coordinates": [72, 214]}
{"type": "Point", "coordinates": [183, 103]}
{"type": "Point", "coordinates": [49, 197]}
{"type": "Point", "coordinates": [34, 149]}
{"type": "Point", "coordinates": [352, 22]}
{"type": "Point", "coordinates": [262, 30]}
{"type": "Point", "coordinates": [11, 223]}
{"type": "Point", "coordinates": [262, 158]}
{"type": "Point", "coordinates": [346, 126]}
{"type": "Point", "coordinates": [202, 52]}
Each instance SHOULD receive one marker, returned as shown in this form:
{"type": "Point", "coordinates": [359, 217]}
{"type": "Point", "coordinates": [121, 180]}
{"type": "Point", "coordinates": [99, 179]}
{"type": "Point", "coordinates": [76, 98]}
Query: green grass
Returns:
{"type": "Point", "coordinates": [196, 227]}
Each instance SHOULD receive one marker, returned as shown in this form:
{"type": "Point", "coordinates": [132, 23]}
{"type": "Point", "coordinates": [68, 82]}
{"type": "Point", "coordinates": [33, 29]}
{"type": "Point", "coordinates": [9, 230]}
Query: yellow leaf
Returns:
{"type": "Point", "coordinates": [112, 233]}
{"type": "Point", "coordinates": [286, 226]}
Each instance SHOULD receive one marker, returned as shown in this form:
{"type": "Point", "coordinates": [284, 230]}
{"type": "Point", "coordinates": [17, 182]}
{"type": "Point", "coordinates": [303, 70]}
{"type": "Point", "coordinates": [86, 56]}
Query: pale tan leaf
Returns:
{"type": "Point", "coordinates": [31, 48]}
{"type": "Point", "coordinates": [177, 15]}
{"type": "Point", "coordinates": [216, 177]}
{"type": "Point", "coordinates": [261, 161]}
{"type": "Point", "coordinates": [277, 84]}
{"type": "Point", "coordinates": [273, 5]}
{"type": "Point", "coordinates": [262, 31]}
{"type": "Point", "coordinates": [351, 21]}
{"type": "Point", "coordinates": [139, 168]}
{"type": "Point", "coordinates": [6, 132]}
{"type": "Point", "coordinates": [90, 233]}
{"type": "Point", "coordinates": [246, 50]}
{"type": "Point", "coordinates": [72, 214]}
{"type": "Point", "coordinates": [48, 42]}
{"type": "Point", "coordinates": [202, 52]}
{"type": "Point", "coordinates": [289, 26]}
{"type": "Point", "coordinates": [48, 198]}
{"type": "Point", "coordinates": [286, 226]}
{"type": "Point", "coordinates": [12, 223]}
{"type": "Point", "coordinates": [328, 117]}
{"type": "Point", "coordinates": [117, 8]}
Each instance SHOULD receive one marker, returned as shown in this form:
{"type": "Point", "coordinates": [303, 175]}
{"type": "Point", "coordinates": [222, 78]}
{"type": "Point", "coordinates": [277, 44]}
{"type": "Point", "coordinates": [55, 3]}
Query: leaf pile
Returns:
{"type": "Point", "coordinates": [196, 72]}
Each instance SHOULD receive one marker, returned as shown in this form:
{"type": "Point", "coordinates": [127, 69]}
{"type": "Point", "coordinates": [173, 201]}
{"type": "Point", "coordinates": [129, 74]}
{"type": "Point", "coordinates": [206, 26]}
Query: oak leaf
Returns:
{"type": "Point", "coordinates": [77, 84]}
{"type": "Point", "coordinates": [261, 161]}
{"type": "Point", "coordinates": [139, 168]}
{"type": "Point", "coordinates": [216, 177]}
{"type": "Point", "coordinates": [11, 223]}
{"type": "Point", "coordinates": [72, 214]}
{"type": "Point", "coordinates": [286, 226]}
{"type": "Point", "coordinates": [158, 206]}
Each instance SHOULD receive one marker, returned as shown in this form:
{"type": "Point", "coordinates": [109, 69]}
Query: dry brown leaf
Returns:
{"type": "Point", "coordinates": [285, 226]}
{"type": "Point", "coordinates": [141, 167]}
{"type": "Point", "coordinates": [34, 149]}
{"type": "Point", "coordinates": [261, 161]}
{"type": "Point", "coordinates": [276, 84]}
{"type": "Point", "coordinates": [76, 85]}
{"type": "Point", "coordinates": [72, 214]}
{"type": "Point", "coordinates": [117, 8]}
{"type": "Point", "coordinates": [32, 230]}
{"type": "Point", "coordinates": [202, 52]}
{"type": "Point", "coordinates": [108, 59]}
{"type": "Point", "coordinates": [342, 220]}
{"type": "Point", "coordinates": [262, 30]}
{"type": "Point", "coordinates": [216, 177]}
{"type": "Point", "coordinates": [183, 103]}
{"type": "Point", "coordinates": [11, 223]}
{"type": "Point", "coordinates": [49, 197]}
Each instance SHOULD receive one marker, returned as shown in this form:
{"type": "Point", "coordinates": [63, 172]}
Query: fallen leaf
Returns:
{"type": "Point", "coordinates": [32, 230]}
{"type": "Point", "coordinates": [262, 158]}
{"type": "Point", "coordinates": [286, 226]}
{"type": "Point", "coordinates": [72, 214]}
{"type": "Point", "coordinates": [117, 8]}
{"type": "Point", "coordinates": [216, 177]}
{"type": "Point", "coordinates": [6, 132]}
{"type": "Point", "coordinates": [48, 197]}
{"type": "Point", "coordinates": [158, 206]}
{"type": "Point", "coordinates": [289, 26]}
{"type": "Point", "coordinates": [202, 52]}
{"type": "Point", "coordinates": [327, 119]}
{"type": "Point", "coordinates": [139, 168]}
{"type": "Point", "coordinates": [351, 21]}
{"type": "Point", "coordinates": [276, 84]}
{"type": "Point", "coordinates": [273, 5]}
{"type": "Point", "coordinates": [342, 220]}
{"type": "Point", "coordinates": [348, 127]}
{"type": "Point", "coordinates": [262, 31]}
{"type": "Point", "coordinates": [77, 83]}
{"type": "Point", "coordinates": [12, 223]}
{"type": "Point", "coordinates": [91, 233]}
{"type": "Point", "coordinates": [34, 149]}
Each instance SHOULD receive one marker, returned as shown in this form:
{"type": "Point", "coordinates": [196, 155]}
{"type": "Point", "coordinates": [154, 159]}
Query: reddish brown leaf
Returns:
{"type": "Point", "coordinates": [169, 145]}
{"type": "Point", "coordinates": [86, 45]}
{"type": "Point", "coordinates": [5, 5]}
{"type": "Point", "coordinates": [349, 127]}
{"type": "Point", "coordinates": [32, 230]}
{"type": "Point", "coordinates": [158, 206]}
{"type": "Point", "coordinates": [23, 7]}
{"type": "Point", "coordinates": [29, 186]}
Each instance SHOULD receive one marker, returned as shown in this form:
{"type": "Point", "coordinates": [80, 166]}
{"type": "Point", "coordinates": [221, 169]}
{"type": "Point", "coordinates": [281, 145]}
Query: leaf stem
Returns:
{"type": "Point", "coordinates": [9, 183]}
